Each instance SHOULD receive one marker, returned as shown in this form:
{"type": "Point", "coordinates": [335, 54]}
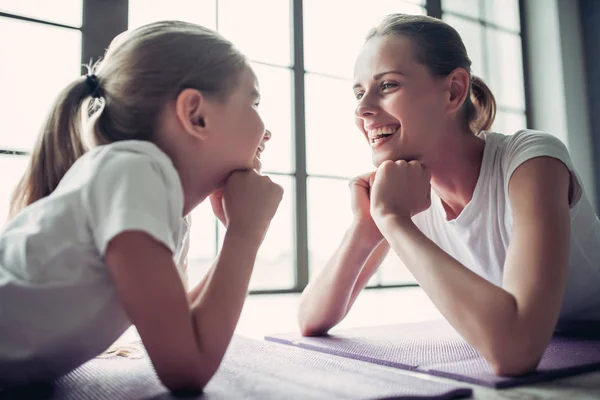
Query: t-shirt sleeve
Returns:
{"type": "Point", "coordinates": [131, 193]}
{"type": "Point", "coordinates": [526, 145]}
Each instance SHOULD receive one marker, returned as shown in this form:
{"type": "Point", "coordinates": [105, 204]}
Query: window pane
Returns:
{"type": "Point", "coordinates": [276, 110]}
{"type": "Point", "coordinates": [334, 145]}
{"type": "Point", "coordinates": [504, 13]}
{"type": "Point", "coordinates": [203, 240]}
{"type": "Point", "coordinates": [469, 8]}
{"type": "Point", "coordinates": [275, 265]}
{"type": "Point", "coordinates": [261, 29]}
{"type": "Point", "coordinates": [509, 122]}
{"type": "Point", "coordinates": [32, 73]}
{"type": "Point", "coordinates": [472, 36]}
{"type": "Point", "coordinates": [393, 271]}
{"type": "Point", "coordinates": [67, 12]}
{"type": "Point", "coordinates": [203, 12]}
{"type": "Point", "coordinates": [505, 68]}
{"type": "Point", "coordinates": [331, 48]}
{"type": "Point", "coordinates": [329, 216]}
{"type": "Point", "coordinates": [12, 168]}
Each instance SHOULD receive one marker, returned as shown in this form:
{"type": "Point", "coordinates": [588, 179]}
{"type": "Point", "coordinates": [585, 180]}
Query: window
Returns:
{"type": "Point", "coordinates": [307, 101]}
{"type": "Point", "coordinates": [491, 31]}
{"type": "Point", "coordinates": [32, 73]}
{"type": "Point", "coordinates": [25, 71]}
{"type": "Point", "coordinates": [203, 12]}
{"type": "Point", "coordinates": [335, 149]}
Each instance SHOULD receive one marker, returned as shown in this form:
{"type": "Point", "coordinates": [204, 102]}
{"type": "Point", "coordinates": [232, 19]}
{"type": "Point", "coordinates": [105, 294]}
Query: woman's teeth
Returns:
{"type": "Point", "coordinates": [379, 138]}
{"type": "Point", "coordinates": [381, 133]}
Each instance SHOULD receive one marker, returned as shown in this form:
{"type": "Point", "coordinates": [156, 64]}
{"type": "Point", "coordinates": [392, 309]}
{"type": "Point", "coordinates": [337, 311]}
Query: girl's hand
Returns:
{"type": "Point", "coordinates": [401, 189]}
{"type": "Point", "coordinates": [360, 189]}
{"type": "Point", "coordinates": [250, 201]}
{"type": "Point", "coordinates": [216, 201]}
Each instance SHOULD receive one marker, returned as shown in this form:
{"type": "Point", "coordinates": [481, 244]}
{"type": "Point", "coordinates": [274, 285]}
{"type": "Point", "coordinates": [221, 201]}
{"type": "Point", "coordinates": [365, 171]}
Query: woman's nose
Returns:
{"type": "Point", "coordinates": [365, 108]}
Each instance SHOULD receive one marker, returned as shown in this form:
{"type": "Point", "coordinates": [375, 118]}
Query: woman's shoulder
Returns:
{"type": "Point", "coordinates": [512, 150]}
{"type": "Point", "coordinates": [524, 140]}
{"type": "Point", "coordinates": [524, 145]}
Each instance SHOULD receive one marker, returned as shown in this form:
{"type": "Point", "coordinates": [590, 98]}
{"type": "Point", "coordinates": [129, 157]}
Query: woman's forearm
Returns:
{"type": "Point", "coordinates": [484, 314]}
{"type": "Point", "coordinates": [325, 301]}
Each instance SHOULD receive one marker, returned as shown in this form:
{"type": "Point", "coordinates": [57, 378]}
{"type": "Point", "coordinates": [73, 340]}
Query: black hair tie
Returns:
{"type": "Point", "coordinates": [93, 84]}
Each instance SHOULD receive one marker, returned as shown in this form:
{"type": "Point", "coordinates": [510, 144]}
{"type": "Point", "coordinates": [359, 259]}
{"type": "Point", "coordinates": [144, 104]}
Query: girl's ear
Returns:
{"type": "Point", "coordinates": [191, 108]}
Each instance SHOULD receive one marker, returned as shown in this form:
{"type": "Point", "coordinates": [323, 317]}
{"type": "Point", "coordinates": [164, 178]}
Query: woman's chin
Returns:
{"type": "Point", "coordinates": [379, 158]}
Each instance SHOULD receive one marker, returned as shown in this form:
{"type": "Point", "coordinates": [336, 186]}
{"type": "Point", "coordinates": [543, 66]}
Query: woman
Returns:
{"type": "Point", "coordinates": [496, 229]}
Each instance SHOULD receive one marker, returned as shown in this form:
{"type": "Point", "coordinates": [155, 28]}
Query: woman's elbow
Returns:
{"type": "Point", "coordinates": [514, 365]}
{"type": "Point", "coordinates": [310, 329]}
{"type": "Point", "coordinates": [309, 324]}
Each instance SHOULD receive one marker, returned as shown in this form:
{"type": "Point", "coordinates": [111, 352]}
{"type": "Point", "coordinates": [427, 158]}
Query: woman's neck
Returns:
{"type": "Point", "coordinates": [455, 171]}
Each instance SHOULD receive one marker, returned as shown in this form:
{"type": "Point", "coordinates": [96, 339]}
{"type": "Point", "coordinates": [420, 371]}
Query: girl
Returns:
{"type": "Point", "coordinates": [99, 215]}
{"type": "Point", "coordinates": [496, 229]}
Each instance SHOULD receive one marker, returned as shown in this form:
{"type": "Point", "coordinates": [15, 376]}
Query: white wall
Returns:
{"type": "Point", "coordinates": [558, 82]}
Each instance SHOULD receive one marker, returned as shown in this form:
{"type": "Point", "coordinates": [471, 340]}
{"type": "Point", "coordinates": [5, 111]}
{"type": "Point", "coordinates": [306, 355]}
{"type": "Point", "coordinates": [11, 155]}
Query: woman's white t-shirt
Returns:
{"type": "Point", "coordinates": [479, 237]}
{"type": "Point", "coordinates": [58, 303]}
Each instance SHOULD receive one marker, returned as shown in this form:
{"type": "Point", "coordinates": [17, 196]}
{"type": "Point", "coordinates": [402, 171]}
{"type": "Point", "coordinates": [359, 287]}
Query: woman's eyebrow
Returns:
{"type": "Point", "coordinates": [380, 75]}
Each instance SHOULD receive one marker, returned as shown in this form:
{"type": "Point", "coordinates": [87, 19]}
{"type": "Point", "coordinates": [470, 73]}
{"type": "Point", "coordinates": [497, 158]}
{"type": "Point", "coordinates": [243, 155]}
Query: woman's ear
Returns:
{"type": "Point", "coordinates": [191, 108]}
{"type": "Point", "coordinates": [458, 89]}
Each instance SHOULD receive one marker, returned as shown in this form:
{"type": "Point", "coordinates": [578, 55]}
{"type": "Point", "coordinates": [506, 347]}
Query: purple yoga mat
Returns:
{"type": "Point", "coordinates": [435, 348]}
{"type": "Point", "coordinates": [251, 370]}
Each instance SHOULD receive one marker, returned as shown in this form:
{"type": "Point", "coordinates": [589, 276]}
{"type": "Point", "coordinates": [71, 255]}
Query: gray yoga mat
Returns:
{"type": "Point", "coordinates": [251, 370]}
{"type": "Point", "coordinates": [435, 348]}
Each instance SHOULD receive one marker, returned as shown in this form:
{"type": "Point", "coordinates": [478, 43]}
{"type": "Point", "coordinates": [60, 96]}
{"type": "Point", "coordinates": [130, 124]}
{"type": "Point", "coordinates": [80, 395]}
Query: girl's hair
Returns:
{"type": "Point", "coordinates": [439, 47]}
{"type": "Point", "coordinates": [124, 95]}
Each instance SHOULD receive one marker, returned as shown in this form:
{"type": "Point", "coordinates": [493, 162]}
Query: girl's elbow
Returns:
{"type": "Point", "coordinates": [184, 385]}
{"type": "Point", "coordinates": [190, 382]}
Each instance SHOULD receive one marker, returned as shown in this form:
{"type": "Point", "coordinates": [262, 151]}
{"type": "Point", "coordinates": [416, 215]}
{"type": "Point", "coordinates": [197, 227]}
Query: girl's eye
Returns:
{"type": "Point", "coordinates": [257, 104]}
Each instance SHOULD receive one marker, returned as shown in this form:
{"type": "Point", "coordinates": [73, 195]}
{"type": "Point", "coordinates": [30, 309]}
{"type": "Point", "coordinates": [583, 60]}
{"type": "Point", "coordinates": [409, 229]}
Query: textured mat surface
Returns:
{"type": "Point", "coordinates": [435, 348]}
{"type": "Point", "coordinates": [251, 370]}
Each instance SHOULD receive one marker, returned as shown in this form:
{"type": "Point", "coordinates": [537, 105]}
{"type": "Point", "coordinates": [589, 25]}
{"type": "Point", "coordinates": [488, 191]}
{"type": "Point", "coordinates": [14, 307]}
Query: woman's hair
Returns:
{"type": "Point", "coordinates": [439, 47]}
{"type": "Point", "coordinates": [124, 94]}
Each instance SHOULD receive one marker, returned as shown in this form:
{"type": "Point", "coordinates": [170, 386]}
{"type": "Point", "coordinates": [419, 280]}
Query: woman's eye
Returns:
{"type": "Point", "coordinates": [388, 85]}
{"type": "Point", "coordinates": [359, 95]}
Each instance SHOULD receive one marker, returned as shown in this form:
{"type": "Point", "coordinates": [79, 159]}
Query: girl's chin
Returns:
{"type": "Point", "coordinates": [257, 164]}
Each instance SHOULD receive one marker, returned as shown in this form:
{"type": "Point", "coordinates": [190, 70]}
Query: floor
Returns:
{"type": "Point", "coordinates": [267, 314]}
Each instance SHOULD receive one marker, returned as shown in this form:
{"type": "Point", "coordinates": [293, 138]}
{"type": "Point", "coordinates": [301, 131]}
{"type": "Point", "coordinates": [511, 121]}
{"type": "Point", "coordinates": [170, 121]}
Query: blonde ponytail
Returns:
{"type": "Point", "coordinates": [58, 146]}
{"type": "Point", "coordinates": [484, 104]}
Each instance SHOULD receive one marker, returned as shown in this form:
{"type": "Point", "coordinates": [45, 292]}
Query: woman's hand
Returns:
{"type": "Point", "coordinates": [400, 189]}
{"type": "Point", "coordinates": [360, 189]}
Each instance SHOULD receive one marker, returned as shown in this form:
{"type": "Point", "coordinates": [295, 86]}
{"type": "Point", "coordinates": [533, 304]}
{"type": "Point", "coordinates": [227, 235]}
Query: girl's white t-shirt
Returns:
{"type": "Point", "coordinates": [58, 303]}
{"type": "Point", "coordinates": [479, 237]}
